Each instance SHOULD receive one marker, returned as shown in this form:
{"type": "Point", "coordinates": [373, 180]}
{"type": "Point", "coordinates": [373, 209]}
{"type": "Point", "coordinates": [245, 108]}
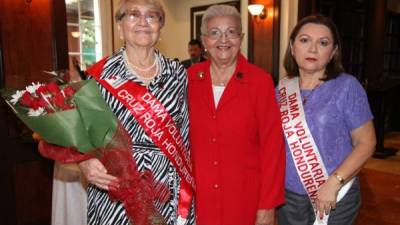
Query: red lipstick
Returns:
{"type": "Point", "coordinates": [311, 59]}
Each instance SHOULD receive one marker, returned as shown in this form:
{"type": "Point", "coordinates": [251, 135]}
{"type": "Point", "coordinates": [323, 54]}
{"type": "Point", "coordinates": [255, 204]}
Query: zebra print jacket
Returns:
{"type": "Point", "coordinates": [170, 88]}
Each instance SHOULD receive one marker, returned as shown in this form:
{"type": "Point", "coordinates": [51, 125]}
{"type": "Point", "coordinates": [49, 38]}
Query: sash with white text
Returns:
{"type": "Point", "coordinates": [158, 124]}
{"type": "Point", "coordinates": [308, 162]}
{"type": "Point", "coordinates": [304, 151]}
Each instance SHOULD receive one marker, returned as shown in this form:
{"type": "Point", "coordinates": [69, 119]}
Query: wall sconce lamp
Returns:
{"type": "Point", "coordinates": [75, 34]}
{"type": "Point", "coordinates": [258, 10]}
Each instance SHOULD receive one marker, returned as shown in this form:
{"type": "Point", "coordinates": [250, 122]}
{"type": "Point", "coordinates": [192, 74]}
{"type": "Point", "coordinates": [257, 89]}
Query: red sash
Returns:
{"type": "Point", "coordinates": [158, 124]}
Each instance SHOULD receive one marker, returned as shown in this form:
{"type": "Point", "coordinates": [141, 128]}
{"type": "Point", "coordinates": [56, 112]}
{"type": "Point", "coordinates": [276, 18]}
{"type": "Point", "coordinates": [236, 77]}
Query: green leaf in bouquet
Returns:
{"type": "Point", "coordinates": [90, 125]}
{"type": "Point", "coordinates": [97, 117]}
{"type": "Point", "coordinates": [62, 128]}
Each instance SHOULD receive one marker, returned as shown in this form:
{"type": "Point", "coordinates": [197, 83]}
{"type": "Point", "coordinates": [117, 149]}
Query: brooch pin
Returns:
{"type": "Point", "coordinates": [200, 75]}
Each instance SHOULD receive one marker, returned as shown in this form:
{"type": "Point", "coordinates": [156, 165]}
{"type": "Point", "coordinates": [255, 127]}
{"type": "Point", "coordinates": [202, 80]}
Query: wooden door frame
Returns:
{"type": "Point", "coordinates": [60, 41]}
{"type": "Point", "coordinates": [2, 77]}
{"type": "Point", "coordinates": [275, 40]}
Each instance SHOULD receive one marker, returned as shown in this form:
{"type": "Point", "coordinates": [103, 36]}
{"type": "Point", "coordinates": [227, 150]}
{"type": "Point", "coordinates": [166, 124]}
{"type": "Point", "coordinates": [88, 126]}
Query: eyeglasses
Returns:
{"type": "Point", "coordinates": [134, 16]}
{"type": "Point", "coordinates": [229, 33]}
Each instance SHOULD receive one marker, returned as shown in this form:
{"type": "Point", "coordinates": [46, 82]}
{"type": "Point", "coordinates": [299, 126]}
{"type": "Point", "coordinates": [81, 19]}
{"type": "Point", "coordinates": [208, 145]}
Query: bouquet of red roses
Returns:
{"type": "Point", "coordinates": [63, 115]}
{"type": "Point", "coordinates": [77, 124]}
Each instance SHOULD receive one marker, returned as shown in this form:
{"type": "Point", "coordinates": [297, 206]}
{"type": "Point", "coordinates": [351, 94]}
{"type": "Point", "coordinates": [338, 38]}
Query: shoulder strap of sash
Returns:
{"type": "Point", "coordinates": [304, 151]}
{"type": "Point", "coordinates": [96, 69]}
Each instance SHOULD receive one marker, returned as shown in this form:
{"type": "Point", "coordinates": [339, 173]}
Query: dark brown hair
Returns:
{"type": "Point", "coordinates": [334, 67]}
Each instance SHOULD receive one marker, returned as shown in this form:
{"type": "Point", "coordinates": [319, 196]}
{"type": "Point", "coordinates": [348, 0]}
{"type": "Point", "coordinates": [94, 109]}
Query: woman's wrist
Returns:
{"type": "Point", "coordinates": [338, 178]}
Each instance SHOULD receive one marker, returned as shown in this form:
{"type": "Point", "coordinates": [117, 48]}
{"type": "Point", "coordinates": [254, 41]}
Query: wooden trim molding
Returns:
{"type": "Point", "coordinates": [2, 79]}
{"type": "Point", "coordinates": [60, 41]}
{"type": "Point", "coordinates": [112, 25]}
{"type": "Point", "coordinates": [250, 42]}
{"type": "Point", "coordinates": [276, 40]}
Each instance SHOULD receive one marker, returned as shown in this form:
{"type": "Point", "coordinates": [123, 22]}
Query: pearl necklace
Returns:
{"type": "Point", "coordinates": [136, 67]}
{"type": "Point", "coordinates": [146, 80]}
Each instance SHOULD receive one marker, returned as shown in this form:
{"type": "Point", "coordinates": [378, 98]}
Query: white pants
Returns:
{"type": "Point", "coordinates": [69, 204]}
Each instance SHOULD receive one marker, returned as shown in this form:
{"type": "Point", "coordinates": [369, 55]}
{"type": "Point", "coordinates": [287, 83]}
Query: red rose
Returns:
{"type": "Point", "coordinates": [59, 100]}
{"type": "Point", "coordinates": [66, 107]}
{"type": "Point", "coordinates": [53, 88]}
{"type": "Point", "coordinates": [69, 92]}
{"type": "Point", "coordinates": [42, 102]}
{"type": "Point", "coordinates": [26, 99]}
{"type": "Point", "coordinates": [49, 110]}
{"type": "Point", "coordinates": [35, 103]}
{"type": "Point", "coordinates": [41, 90]}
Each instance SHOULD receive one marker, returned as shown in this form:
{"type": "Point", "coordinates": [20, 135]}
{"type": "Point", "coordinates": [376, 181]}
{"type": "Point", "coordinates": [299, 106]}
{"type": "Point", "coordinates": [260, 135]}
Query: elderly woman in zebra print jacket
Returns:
{"type": "Point", "coordinates": [162, 83]}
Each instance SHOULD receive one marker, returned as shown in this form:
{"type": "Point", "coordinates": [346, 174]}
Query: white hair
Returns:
{"type": "Point", "coordinates": [217, 11]}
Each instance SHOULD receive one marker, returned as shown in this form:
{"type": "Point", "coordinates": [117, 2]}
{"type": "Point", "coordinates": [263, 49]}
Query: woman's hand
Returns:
{"type": "Point", "coordinates": [265, 217]}
{"type": "Point", "coordinates": [364, 141]}
{"type": "Point", "coordinates": [326, 199]}
{"type": "Point", "coordinates": [96, 174]}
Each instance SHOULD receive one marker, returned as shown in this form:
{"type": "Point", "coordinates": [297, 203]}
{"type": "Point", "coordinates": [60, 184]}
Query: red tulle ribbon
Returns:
{"type": "Point", "coordinates": [136, 190]}
{"type": "Point", "coordinates": [62, 154]}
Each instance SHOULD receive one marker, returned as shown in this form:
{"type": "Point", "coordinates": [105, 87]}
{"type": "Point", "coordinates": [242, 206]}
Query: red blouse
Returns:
{"type": "Point", "coordinates": [237, 148]}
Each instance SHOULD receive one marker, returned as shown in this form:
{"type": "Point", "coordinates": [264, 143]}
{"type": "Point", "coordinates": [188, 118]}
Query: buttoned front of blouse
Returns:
{"type": "Point", "coordinates": [237, 148]}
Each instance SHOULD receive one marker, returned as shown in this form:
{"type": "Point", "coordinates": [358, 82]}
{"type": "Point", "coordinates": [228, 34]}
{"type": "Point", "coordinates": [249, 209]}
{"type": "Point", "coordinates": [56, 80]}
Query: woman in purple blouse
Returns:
{"type": "Point", "coordinates": [338, 121]}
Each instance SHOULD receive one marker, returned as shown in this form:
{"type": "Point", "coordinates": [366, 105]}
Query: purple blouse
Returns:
{"type": "Point", "coordinates": [333, 110]}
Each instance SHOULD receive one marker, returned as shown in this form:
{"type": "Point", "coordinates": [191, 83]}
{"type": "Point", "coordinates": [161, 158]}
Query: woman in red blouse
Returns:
{"type": "Point", "coordinates": [235, 130]}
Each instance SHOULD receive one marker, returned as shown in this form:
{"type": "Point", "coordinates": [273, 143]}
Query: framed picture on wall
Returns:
{"type": "Point", "coordinates": [196, 14]}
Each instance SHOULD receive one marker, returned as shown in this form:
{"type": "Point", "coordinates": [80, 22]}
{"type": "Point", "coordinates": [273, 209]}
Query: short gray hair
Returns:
{"type": "Point", "coordinates": [152, 4]}
{"type": "Point", "coordinates": [217, 11]}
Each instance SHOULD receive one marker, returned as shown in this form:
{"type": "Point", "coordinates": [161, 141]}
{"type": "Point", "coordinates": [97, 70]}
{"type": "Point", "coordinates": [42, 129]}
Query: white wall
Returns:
{"type": "Point", "coordinates": [176, 33]}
